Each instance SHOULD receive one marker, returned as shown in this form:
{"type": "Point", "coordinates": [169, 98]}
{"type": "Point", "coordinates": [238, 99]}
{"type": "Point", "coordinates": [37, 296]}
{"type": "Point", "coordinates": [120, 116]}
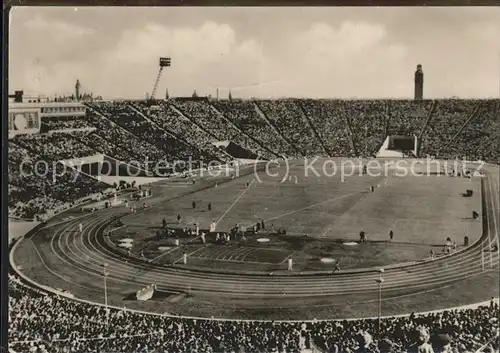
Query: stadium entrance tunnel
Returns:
{"type": "Point", "coordinates": [399, 147]}
{"type": "Point", "coordinates": [235, 151]}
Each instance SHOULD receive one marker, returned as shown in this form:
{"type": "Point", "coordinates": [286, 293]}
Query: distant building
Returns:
{"type": "Point", "coordinates": [77, 90]}
{"type": "Point", "coordinates": [26, 117]}
{"type": "Point", "coordinates": [419, 83]}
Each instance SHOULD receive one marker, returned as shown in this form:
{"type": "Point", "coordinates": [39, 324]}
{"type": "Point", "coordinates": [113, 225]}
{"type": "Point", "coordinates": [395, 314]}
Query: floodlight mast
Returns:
{"type": "Point", "coordinates": [164, 62]}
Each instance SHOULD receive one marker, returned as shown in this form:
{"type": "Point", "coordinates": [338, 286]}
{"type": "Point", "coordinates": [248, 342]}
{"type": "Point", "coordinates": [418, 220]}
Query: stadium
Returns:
{"type": "Point", "coordinates": [199, 224]}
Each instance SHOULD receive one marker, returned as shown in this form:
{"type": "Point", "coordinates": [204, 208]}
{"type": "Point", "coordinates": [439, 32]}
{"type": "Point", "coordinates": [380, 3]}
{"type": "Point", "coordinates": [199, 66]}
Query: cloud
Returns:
{"type": "Point", "coordinates": [350, 57]}
{"type": "Point", "coordinates": [348, 60]}
{"type": "Point", "coordinates": [201, 57]}
{"type": "Point", "coordinates": [56, 30]}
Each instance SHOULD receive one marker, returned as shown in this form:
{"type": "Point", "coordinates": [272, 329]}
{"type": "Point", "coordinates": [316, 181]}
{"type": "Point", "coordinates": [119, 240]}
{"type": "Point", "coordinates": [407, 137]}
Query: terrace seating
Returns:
{"type": "Point", "coordinates": [118, 143]}
{"type": "Point", "coordinates": [368, 124]}
{"type": "Point", "coordinates": [244, 115]}
{"type": "Point", "coordinates": [41, 322]}
{"type": "Point", "coordinates": [407, 117]}
{"type": "Point", "coordinates": [327, 118]}
{"type": "Point", "coordinates": [64, 123]}
{"type": "Point", "coordinates": [37, 186]}
{"type": "Point", "coordinates": [164, 116]}
{"type": "Point", "coordinates": [57, 146]}
{"type": "Point", "coordinates": [446, 121]}
{"type": "Point", "coordinates": [220, 126]}
{"type": "Point", "coordinates": [289, 120]}
{"type": "Point", "coordinates": [480, 139]}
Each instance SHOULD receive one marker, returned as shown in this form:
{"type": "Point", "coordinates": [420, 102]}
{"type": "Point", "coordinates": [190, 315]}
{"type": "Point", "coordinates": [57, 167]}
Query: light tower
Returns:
{"type": "Point", "coordinates": [77, 90]}
{"type": "Point", "coordinates": [164, 62]}
{"type": "Point", "coordinates": [419, 83]}
{"type": "Point", "coordinates": [380, 280]}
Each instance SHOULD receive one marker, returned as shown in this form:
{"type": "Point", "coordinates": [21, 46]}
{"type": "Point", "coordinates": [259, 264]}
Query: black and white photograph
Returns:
{"type": "Point", "coordinates": [253, 179]}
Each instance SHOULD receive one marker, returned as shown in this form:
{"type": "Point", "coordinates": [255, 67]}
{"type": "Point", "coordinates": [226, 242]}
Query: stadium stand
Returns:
{"type": "Point", "coordinates": [41, 322]}
{"type": "Point", "coordinates": [328, 119]}
{"type": "Point", "coordinates": [448, 118]}
{"type": "Point", "coordinates": [166, 118]}
{"type": "Point", "coordinates": [481, 137]}
{"type": "Point", "coordinates": [244, 115]}
{"type": "Point", "coordinates": [287, 118]}
{"type": "Point", "coordinates": [64, 123]}
{"type": "Point", "coordinates": [189, 128]}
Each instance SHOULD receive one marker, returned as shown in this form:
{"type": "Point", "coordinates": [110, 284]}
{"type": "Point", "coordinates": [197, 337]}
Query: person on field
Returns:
{"type": "Point", "coordinates": [336, 267]}
{"type": "Point", "coordinates": [193, 204]}
{"type": "Point", "coordinates": [391, 234]}
{"type": "Point", "coordinates": [210, 206]}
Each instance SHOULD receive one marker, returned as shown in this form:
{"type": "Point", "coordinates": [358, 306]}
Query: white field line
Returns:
{"type": "Point", "coordinates": [234, 203]}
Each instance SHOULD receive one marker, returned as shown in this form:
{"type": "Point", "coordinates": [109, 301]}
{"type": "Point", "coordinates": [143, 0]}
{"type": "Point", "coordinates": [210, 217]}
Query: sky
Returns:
{"type": "Point", "coordinates": [256, 52]}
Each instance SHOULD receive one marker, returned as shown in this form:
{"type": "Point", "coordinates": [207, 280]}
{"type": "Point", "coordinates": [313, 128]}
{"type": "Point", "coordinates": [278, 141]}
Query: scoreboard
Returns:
{"type": "Point", "coordinates": [26, 118]}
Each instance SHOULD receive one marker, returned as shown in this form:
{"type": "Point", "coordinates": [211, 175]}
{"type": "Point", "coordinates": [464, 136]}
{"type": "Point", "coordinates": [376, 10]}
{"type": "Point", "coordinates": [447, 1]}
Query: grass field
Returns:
{"type": "Point", "coordinates": [421, 210]}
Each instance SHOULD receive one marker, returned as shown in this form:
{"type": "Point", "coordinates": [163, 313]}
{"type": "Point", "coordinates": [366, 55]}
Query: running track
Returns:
{"type": "Point", "coordinates": [77, 259]}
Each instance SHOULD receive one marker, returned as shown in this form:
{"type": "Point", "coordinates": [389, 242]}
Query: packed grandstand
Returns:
{"type": "Point", "coordinates": [178, 129]}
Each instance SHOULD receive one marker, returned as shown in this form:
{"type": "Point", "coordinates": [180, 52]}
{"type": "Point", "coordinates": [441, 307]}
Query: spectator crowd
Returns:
{"type": "Point", "coordinates": [146, 133]}
{"type": "Point", "coordinates": [42, 322]}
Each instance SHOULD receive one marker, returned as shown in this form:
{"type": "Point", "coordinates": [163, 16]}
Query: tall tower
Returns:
{"type": "Point", "coordinates": [419, 83]}
{"type": "Point", "coordinates": [77, 90]}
